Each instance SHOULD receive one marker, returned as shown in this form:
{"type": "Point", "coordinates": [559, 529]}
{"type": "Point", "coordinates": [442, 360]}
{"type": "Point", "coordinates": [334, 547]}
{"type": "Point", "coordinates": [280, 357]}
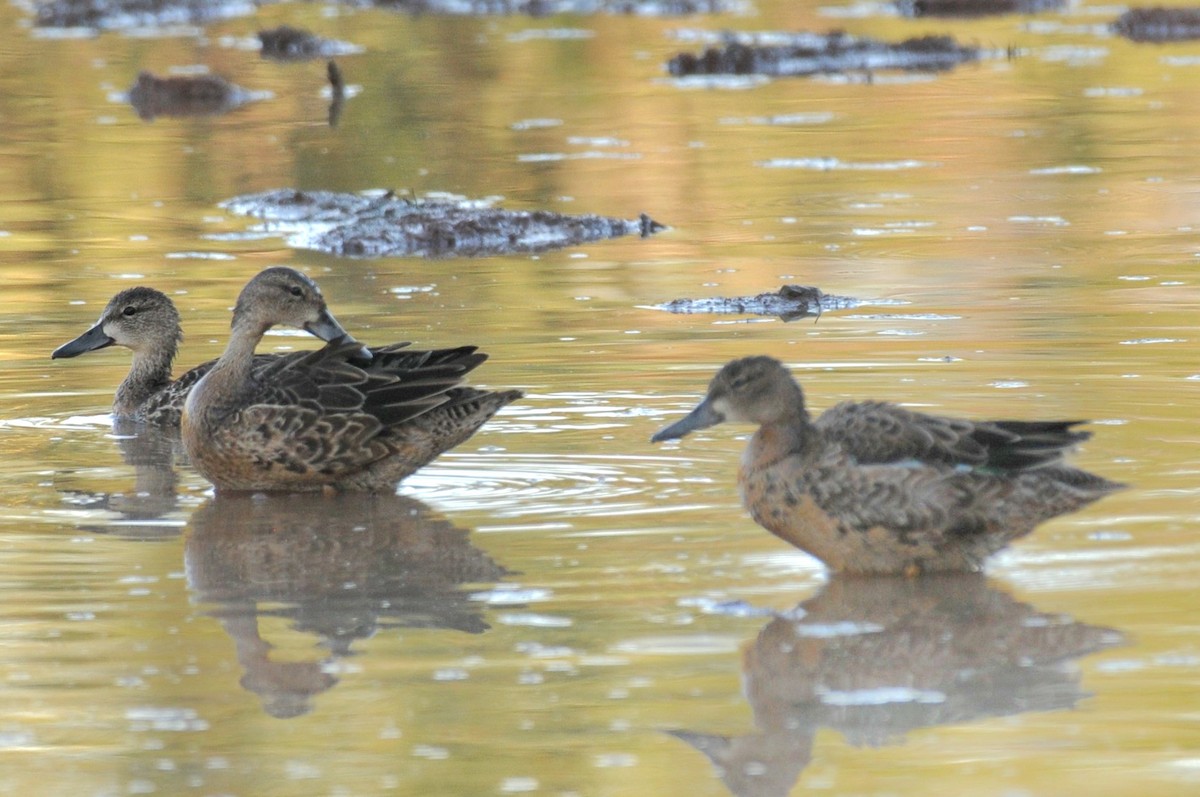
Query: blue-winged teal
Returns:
{"type": "Point", "coordinates": [146, 322]}
{"type": "Point", "coordinates": [329, 418]}
{"type": "Point", "coordinates": [874, 488]}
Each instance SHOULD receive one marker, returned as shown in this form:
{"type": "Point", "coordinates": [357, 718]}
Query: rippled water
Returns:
{"type": "Point", "coordinates": [558, 607]}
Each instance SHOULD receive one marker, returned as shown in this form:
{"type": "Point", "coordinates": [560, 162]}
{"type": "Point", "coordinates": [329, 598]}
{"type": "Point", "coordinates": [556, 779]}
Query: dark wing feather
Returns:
{"type": "Point", "coordinates": [333, 406]}
{"type": "Point", "coordinates": [880, 433]}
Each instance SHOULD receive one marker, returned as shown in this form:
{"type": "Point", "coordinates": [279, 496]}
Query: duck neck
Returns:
{"type": "Point", "coordinates": [149, 373]}
{"type": "Point", "coordinates": [230, 376]}
{"type": "Point", "coordinates": [790, 435]}
{"type": "Point", "coordinates": [243, 339]}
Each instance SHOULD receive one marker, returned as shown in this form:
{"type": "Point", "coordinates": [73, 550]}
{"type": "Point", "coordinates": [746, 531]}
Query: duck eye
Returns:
{"type": "Point", "coordinates": [129, 310]}
{"type": "Point", "coordinates": [296, 291]}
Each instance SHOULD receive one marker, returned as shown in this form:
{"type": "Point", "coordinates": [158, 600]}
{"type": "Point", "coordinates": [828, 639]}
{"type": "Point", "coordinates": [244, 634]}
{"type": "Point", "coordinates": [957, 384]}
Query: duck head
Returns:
{"type": "Point", "coordinates": [757, 390]}
{"type": "Point", "coordinates": [141, 319]}
{"type": "Point", "coordinates": [281, 296]}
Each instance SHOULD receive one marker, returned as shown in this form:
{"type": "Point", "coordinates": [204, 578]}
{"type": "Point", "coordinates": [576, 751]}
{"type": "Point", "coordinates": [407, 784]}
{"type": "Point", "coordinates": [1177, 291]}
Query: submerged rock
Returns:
{"type": "Point", "coordinates": [975, 8]}
{"type": "Point", "coordinates": [802, 54]}
{"type": "Point", "coordinates": [202, 95]}
{"type": "Point", "coordinates": [357, 225]}
{"type": "Point", "coordinates": [286, 43]}
{"type": "Point", "coordinates": [789, 303]}
{"type": "Point", "coordinates": [1159, 24]}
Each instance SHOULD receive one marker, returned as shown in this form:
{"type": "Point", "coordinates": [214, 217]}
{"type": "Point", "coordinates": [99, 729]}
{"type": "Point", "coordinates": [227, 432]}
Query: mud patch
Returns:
{"type": "Point", "coordinates": [125, 14]}
{"type": "Point", "coordinates": [1159, 24]}
{"type": "Point", "coordinates": [286, 43]}
{"type": "Point", "coordinates": [547, 8]}
{"type": "Point", "coordinates": [789, 303]}
{"type": "Point", "coordinates": [202, 95]}
{"type": "Point", "coordinates": [975, 8]}
{"type": "Point", "coordinates": [386, 225]}
{"type": "Point", "coordinates": [121, 14]}
{"type": "Point", "coordinates": [805, 54]}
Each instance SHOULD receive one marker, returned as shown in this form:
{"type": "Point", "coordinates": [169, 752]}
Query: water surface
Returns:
{"type": "Point", "coordinates": [558, 607]}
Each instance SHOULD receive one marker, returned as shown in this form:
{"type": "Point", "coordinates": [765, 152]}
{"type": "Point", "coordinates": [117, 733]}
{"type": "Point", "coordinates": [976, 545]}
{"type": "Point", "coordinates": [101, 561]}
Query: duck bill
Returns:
{"type": "Point", "coordinates": [327, 328]}
{"type": "Point", "coordinates": [702, 417]}
{"type": "Point", "coordinates": [91, 340]}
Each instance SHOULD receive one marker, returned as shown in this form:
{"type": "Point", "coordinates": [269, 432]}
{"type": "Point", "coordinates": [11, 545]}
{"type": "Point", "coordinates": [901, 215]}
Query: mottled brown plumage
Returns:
{"type": "Point", "coordinates": [146, 322]}
{"type": "Point", "coordinates": [328, 418]}
{"type": "Point", "coordinates": [875, 488]}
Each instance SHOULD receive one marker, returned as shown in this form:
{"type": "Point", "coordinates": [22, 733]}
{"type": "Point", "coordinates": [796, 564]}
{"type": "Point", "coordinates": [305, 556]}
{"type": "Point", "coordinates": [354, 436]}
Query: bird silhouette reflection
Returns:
{"type": "Point", "coordinates": [339, 568]}
{"type": "Point", "coordinates": [874, 659]}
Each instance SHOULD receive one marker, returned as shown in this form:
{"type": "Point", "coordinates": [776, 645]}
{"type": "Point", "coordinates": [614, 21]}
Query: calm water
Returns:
{"type": "Point", "coordinates": [558, 607]}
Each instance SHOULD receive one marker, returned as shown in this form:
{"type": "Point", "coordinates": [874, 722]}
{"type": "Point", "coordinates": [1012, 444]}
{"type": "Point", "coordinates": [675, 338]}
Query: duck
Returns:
{"type": "Point", "coordinates": [339, 418]}
{"type": "Point", "coordinates": [872, 488]}
{"type": "Point", "coordinates": [147, 322]}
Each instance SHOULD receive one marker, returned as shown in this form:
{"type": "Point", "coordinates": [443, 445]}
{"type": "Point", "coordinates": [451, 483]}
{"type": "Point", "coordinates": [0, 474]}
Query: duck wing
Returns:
{"type": "Point", "coordinates": [326, 411]}
{"type": "Point", "coordinates": [878, 432]}
{"type": "Point", "coordinates": [394, 386]}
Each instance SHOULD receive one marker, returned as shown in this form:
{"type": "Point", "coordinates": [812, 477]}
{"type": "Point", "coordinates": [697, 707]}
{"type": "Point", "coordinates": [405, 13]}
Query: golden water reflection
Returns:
{"type": "Point", "coordinates": [876, 658]}
{"type": "Point", "coordinates": [339, 568]}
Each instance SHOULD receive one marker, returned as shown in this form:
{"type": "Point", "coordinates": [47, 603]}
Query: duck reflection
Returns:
{"type": "Point", "coordinates": [145, 512]}
{"type": "Point", "coordinates": [876, 658]}
{"type": "Point", "coordinates": [338, 567]}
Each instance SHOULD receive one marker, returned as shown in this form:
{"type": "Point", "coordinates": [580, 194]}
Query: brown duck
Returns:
{"type": "Point", "coordinates": [871, 487]}
{"type": "Point", "coordinates": [146, 322]}
{"type": "Point", "coordinates": [342, 417]}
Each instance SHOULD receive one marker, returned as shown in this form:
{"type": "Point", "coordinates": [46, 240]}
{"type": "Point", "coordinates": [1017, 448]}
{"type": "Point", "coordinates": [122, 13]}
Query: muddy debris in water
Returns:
{"type": "Point", "coordinates": [125, 14]}
{"type": "Point", "coordinates": [975, 8]}
{"type": "Point", "coordinates": [804, 54]}
{"type": "Point", "coordinates": [1159, 24]}
{"type": "Point", "coordinates": [200, 95]}
{"type": "Point", "coordinates": [286, 43]}
{"type": "Point", "coordinates": [387, 225]}
{"type": "Point", "coordinates": [789, 303]}
{"type": "Point", "coordinates": [548, 8]}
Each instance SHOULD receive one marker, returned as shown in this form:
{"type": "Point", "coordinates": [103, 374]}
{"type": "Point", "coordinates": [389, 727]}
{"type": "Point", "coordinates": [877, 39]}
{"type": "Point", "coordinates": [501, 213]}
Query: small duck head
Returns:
{"type": "Point", "coordinates": [757, 390]}
{"type": "Point", "coordinates": [282, 296]}
{"type": "Point", "coordinates": [141, 319]}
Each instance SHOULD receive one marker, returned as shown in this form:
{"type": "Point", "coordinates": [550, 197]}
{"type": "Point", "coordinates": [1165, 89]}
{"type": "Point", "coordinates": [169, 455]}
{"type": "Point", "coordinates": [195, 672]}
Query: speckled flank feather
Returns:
{"type": "Point", "coordinates": [327, 418]}
{"type": "Point", "coordinates": [875, 488]}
